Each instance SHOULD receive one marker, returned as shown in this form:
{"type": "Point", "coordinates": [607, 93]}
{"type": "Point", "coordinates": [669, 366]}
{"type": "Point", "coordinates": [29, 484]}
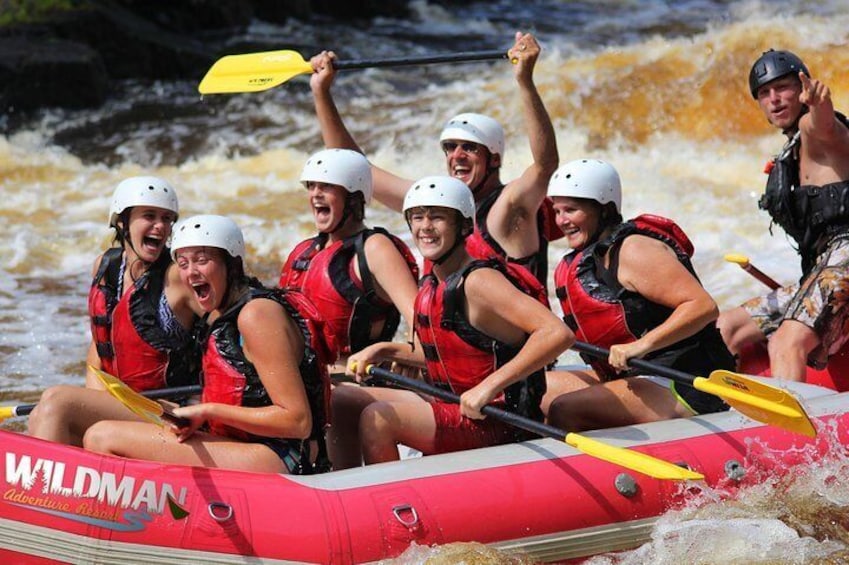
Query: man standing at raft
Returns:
{"type": "Point", "coordinates": [806, 194]}
{"type": "Point", "coordinates": [511, 222]}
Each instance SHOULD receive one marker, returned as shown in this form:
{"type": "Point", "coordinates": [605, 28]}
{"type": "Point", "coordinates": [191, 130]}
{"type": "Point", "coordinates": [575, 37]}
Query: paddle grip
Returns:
{"type": "Point", "coordinates": [761, 276]}
{"type": "Point", "coordinates": [422, 60]}
{"type": "Point", "coordinates": [498, 413]}
{"type": "Point", "coordinates": [654, 368]}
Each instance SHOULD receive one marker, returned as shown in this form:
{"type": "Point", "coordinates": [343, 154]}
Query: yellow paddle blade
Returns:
{"type": "Point", "coordinates": [145, 408]}
{"type": "Point", "coordinates": [737, 258]}
{"type": "Point", "coordinates": [253, 72]}
{"type": "Point", "coordinates": [758, 401]}
{"type": "Point", "coordinates": [646, 464]}
{"type": "Point", "coordinates": [7, 412]}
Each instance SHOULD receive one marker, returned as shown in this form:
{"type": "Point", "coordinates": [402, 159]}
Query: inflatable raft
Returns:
{"type": "Point", "coordinates": [542, 498]}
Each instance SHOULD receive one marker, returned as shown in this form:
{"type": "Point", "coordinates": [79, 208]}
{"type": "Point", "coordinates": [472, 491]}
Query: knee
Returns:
{"type": "Point", "coordinates": [375, 422]}
{"type": "Point", "coordinates": [792, 337]}
{"type": "Point", "coordinates": [563, 413]}
{"type": "Point", "coordinates": [100, 438]}
{"type": "Point", "coordinates": [54, 404]}
{"type": "Point", "coordinates": [347, 403]}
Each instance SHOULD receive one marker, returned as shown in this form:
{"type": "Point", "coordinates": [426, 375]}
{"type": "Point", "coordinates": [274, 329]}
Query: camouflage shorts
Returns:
{"type": "Point", "coordinates": [819, 303]}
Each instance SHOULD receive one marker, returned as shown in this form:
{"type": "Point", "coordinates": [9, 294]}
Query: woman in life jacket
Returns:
{"type": "Point", "coordinates": [264, 370]}
{"type": "Point", "coordinates": [141, 316]}
{"type": "Point", "coordinates": [481, 337]}
{"type": "Point", "coordinates": [628, 287]}
{"type": "Point", "coordinates": [361, 279]}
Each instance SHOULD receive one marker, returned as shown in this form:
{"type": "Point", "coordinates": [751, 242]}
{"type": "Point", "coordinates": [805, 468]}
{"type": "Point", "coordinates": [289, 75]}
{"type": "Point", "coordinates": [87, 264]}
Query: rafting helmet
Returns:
{"type": "Point", "coordinates": [208, 230]}
{"type": "Point", "coordinates": [343, 167]}
{"type": "Point", "coordinates": [587, 178]}
{"type": "Point", "coordinates": [142, 191]}
{"type": "Point", "coordinates": [771, 65]}
{"type": "Point", "coordinates": [444, 191]}
{"type": "Point", "coordinates": [476, 128]}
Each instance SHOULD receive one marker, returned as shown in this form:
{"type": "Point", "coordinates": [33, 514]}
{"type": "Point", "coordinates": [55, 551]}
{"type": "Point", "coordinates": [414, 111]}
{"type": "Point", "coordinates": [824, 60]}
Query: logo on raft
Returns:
{"type": "Point", "coordinates": [87, 495]}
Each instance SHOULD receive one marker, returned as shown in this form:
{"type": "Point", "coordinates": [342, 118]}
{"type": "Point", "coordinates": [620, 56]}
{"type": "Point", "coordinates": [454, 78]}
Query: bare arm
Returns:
{"type": "Point", "coordinates": [389, 189]}
{"type": "Point", "coordinates": [529, 190]}
{"type": "Point", "coordinates": [651, 269]}
{"type": "Point", "coordinates": [499, 309]}
{"type": "Point", "coordinates": [275, 346]}
{"type": "Point", "coordinates": [391, 274]}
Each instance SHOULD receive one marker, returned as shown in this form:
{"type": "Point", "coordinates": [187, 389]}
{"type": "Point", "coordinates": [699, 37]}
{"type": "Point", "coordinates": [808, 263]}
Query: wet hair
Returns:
{"type": "Point", "coordinates": [356, 203]}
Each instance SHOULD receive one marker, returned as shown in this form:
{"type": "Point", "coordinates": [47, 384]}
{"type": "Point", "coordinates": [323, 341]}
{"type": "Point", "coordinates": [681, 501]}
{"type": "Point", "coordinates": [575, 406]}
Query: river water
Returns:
{"type": "Point", "coordinates": [657, 88]}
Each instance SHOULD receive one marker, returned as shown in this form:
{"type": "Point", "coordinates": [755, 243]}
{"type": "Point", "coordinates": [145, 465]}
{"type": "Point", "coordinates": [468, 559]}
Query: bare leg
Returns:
{"type": "Point", "coordinates": [738, 329]}
{"type": "Point", "coordinates": [561, 382]}
{"type": "Point", "coordinates": [383, 425]}
{"type": "Point", "coordinates": [347, 403]}
{"type": "Point", "coordinates": [617, 403]}
{"type": "Point", "coordinates": [140, 440]}
{"type": "Point", "coordinates": [64, 413]}
{"type": "Point", "coordinates": [789, 348]}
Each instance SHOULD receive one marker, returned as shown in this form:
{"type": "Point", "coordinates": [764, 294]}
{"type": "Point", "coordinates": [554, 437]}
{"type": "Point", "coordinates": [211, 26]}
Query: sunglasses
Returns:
{"type": "Point", "coordinates": [448, 147]}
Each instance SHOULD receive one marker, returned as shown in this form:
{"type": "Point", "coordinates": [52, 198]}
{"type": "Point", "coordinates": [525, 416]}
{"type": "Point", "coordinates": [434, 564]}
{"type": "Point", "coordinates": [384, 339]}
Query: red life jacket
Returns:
{"type": "Point", "coordinates": [229, 378]}
{"type": "Point", "coordinates": [481, 244]}
{"type": "Point", "coordinates": [458, 355]}
{"type": "Point", "coordinates": [600, 311]}
{"type": "Point", "coordinates": [127, 335]}
{"type": "Point", "coordinates": [349, 304]}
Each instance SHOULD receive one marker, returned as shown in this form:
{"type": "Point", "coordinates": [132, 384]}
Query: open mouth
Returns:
{"type": "Point", "coordinates": [202, 290]}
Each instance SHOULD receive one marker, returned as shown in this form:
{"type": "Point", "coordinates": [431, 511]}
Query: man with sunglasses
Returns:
{"type": "Point", "coordinates": [511, 219]}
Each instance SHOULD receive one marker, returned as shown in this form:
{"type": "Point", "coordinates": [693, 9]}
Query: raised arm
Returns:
{"type": "Point", "coordinates": [389, 189]}
{"type": "Point", "coordinates": [529, 190]}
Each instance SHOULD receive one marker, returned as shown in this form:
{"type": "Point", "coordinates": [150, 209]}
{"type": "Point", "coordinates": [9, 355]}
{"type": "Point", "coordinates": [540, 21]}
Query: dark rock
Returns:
{"type": "Point", "coordinates": [36, 72]}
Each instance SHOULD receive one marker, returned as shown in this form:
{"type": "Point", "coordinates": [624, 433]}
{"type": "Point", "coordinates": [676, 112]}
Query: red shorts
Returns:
{"type": "Point", "coordinates": [455, 432]}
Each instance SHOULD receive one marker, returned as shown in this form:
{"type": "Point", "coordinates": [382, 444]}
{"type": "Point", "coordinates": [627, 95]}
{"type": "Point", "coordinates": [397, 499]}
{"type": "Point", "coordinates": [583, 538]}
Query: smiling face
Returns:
{"type": "Point", "coordinates": [468, 161]}
{"type": "Point", "coordinates": [204, 270]}
{"type": "Point", "coordinates": [434, 229]}
{"type": "Point", "coordinates": [779, 101]}
{"type": "Point", "coordinates": [578, 218]}
{"type": "Point", "coordinates": [149, 230]}
{"type": "Point", "coordinates": [328, 205]}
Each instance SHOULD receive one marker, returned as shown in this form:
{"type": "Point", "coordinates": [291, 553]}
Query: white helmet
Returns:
{"type": "Point", "coordinates": [208, 230]}
{"type": "Point", "coordinates": [342, 167]}
{"type": "Point", "coordinates": [587, 178]}
{"type": "Point", "coordinates": [476, 128]}
{"type": "Point", "coordinates": [142, 191]}
{"type": "Point", "coordinates": [444, 191]}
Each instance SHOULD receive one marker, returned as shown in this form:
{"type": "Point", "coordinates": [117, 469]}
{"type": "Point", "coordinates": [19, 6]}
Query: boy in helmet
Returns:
{"type": "Point", "coordinates": [629, 287]}
{"type": "Point", "coordinates": [511, 221]}
{"type": "Point", "coordinates": [806, 194]}
{"type": "Point", "coordinates": [481, 337]}
{"type": "Point", "coordinates": [360, 278]}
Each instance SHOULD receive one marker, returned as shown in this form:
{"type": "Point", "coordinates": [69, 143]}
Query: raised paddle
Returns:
{"type": "Point", "coordinates": [627, 458]}
{"type": "Point", "coordinates": [756, 400]}
{"type": "Point", "coordinates": [253, 72]}
{"type": "Point", "coordinates": [7, 412]}
{"type": "Point", "coordinates": [142, 406]}
{"type": "Point", "coordinates": [744, 263]}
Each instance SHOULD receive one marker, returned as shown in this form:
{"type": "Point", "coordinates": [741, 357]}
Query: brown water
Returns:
{"type": "Point", "coordinates": [659, 92]}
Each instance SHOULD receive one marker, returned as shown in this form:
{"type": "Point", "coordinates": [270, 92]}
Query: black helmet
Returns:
{"type": "Point", "coordinates": [772, 65]}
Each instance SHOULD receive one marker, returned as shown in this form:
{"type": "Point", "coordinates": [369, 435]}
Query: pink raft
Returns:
{"type": "Point", "coordinates": [542, 497]}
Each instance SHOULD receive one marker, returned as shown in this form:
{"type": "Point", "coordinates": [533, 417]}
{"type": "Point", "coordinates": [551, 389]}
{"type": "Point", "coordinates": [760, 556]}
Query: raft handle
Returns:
{"type": "Point", "coordinates": [409, 524]}
{"type": "Point", "coordinates": [215, 509]}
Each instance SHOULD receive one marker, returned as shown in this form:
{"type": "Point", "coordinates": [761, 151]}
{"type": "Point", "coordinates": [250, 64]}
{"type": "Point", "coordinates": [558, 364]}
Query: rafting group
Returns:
{"type": "Point", "coordinates": [288, 372]}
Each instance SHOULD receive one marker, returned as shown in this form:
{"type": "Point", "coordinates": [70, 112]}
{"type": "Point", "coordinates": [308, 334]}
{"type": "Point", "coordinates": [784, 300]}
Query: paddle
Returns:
{"type": "Point", "coordinates": [142, 406]}
{"type": "Point", "coordinates": [253, 72]}
{"type": "Point", "coordinates": [744, 263]}
{"type": "Point", "coordinates": [756, 400]}
{"type": "Point", "coordinates": [627, 458]}
{"type": "Point", "coordinates": [7, 412]}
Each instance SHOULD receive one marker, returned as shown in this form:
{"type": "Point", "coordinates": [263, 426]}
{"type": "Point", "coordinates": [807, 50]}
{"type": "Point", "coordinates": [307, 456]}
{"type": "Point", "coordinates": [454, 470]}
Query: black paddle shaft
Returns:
{"type": "Point", "coordinates": [445, 395]}
{"type": "Point", "coordinates": [422, 60]}
{"type": "Point", "coordinates": [653, 368]}
{"type": "Point", "coordinates": [173, 392]}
